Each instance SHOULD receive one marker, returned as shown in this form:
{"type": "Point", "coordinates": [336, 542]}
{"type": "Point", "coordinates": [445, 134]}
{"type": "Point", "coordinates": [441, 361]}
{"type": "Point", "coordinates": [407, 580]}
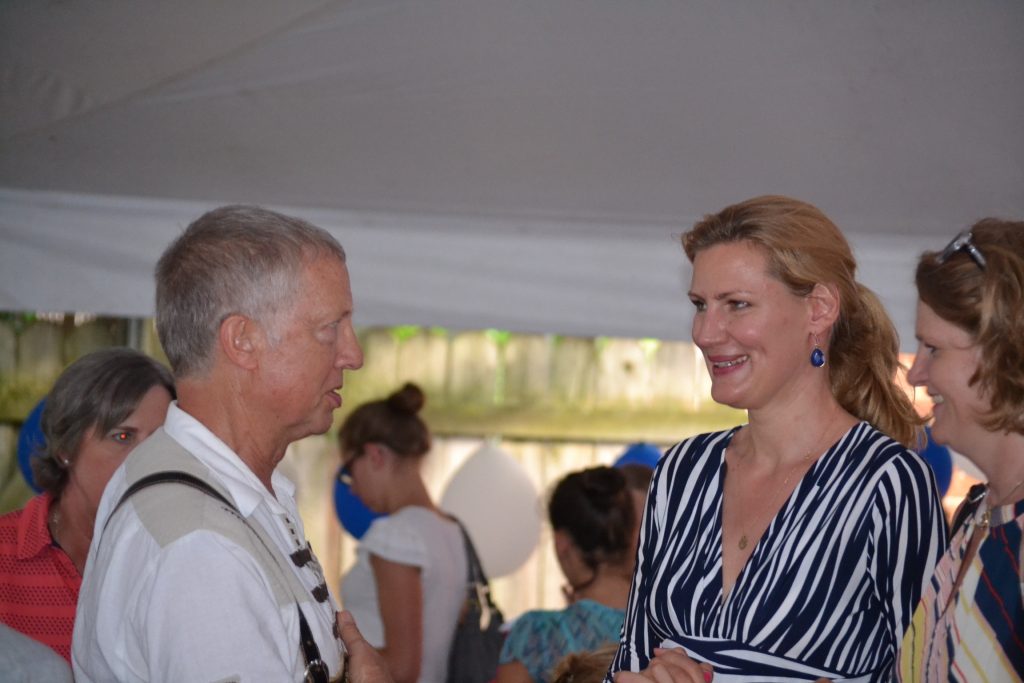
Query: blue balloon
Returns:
{"type": "Point", "coordinates": [641, 454]}
{"type": "Point", "coordinates": [31, 442]}
{"type": "Point", "coordinates": [941, 461]}
{"type": "Point", "coordinates": [352, 513]}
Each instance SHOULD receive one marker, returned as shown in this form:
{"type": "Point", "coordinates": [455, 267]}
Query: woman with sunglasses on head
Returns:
{"type": "Point", "coordinates": [796, 546]}
{"type": "Point", "coordinates": [969, 625]}
{"type": "Point", "coordinates": [409, 580]}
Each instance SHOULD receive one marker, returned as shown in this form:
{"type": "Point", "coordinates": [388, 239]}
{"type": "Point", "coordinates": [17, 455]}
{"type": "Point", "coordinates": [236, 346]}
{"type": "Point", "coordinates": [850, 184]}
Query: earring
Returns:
{"type": "Point", "coordinates": [817, 355]}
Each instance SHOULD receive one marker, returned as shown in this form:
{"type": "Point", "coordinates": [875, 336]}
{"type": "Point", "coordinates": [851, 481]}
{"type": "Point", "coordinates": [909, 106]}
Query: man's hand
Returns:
{"type": "Point", "coordinates": [669, 666]}
{"type": "Point", "coordinates": [365, 665]}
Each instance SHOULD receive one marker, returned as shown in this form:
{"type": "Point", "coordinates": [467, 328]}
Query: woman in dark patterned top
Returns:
{"type": "Point", "coordinates": [794, 547]}
{"type": "Point", "coordinates": [969, 625]}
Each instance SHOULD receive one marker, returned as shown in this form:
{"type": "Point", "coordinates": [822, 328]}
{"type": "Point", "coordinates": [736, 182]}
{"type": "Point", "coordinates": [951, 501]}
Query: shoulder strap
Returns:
{"type": "Point", "coordinates": [175, 477]}
{"type": "Point", "coordinates": [477, 578]}
{"type": "Point", "coordinates": [316, 669]}
{"type": "Point", "coordinates": [476, 571]}
{"type": "Point", "coordinates": [966, 510]}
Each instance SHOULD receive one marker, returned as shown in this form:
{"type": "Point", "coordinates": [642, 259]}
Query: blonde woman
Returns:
{"type": "Point", "coordinates": [796, 546]}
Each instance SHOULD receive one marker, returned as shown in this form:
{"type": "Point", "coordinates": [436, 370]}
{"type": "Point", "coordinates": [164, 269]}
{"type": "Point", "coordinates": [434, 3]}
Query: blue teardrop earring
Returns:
{"type": "Point", "coordinates": [817, 355]}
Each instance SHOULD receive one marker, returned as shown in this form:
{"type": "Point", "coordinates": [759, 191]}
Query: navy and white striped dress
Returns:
{"type": "Point", "coordinates": [830, 587]}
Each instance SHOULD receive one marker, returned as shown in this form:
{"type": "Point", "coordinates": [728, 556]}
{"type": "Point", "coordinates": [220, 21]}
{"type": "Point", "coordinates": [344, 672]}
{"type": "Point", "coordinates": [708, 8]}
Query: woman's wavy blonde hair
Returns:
{"type": "Point", "coordinates": [804, 248]}
{"type": "Point", "coordinates": [989, 304]}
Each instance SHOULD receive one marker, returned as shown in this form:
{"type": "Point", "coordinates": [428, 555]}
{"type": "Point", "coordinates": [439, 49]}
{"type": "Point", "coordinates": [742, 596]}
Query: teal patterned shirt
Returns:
{"type": "Point", "coordinates": [539, 639]}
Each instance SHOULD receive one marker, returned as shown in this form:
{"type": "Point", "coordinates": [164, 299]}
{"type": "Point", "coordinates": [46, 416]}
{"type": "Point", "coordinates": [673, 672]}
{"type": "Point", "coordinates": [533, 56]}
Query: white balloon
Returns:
{"type": "Point", "coordinates": [495, 500]}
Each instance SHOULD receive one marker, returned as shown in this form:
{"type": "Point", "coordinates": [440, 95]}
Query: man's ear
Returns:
{"type": "Point", "coordinates": [239, 340]}
{"type": "Point", "coordinates": [824, 308]}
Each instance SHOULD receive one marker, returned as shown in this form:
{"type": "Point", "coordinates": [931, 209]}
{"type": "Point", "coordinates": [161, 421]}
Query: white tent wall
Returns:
{"type": "Point", "coordinates": [97, 254]}
{"type": "Point", "coordinates": [520, 165]}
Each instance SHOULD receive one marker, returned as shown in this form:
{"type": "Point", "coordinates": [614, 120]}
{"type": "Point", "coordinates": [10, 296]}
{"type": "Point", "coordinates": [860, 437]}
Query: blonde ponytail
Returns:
{"type": "Point", "coordinates": [864, 361]}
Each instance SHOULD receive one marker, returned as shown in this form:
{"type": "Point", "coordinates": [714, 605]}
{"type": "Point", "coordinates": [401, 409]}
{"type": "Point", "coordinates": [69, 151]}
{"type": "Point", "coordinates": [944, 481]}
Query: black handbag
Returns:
{"type": "Point", "coordinates": [473, 657]}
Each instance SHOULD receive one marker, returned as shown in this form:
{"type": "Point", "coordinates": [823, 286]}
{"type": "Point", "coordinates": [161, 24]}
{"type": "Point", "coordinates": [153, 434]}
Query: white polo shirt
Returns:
{"type": "Point", "coordinates": [200, 607]}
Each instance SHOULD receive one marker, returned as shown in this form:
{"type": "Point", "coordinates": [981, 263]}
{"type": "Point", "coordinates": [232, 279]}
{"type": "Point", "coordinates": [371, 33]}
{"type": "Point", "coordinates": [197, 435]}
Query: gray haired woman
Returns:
{"type": "Point", "coordinates": [99, 409]}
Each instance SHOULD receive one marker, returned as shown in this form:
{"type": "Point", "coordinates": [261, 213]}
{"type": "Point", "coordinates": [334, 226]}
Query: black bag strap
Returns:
{"type": "Point", "coordinates": [316, 669]}
{"type": "Point", "coordinates": [972, 500]}
{"type": "Point", "coordinates": [476, 570]}
{"type": "Point", "coordinates": [478, 584]}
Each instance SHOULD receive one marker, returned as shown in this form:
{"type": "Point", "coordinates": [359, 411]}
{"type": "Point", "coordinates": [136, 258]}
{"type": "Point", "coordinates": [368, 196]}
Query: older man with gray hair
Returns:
{"type": "Point", "coordinates": [199, 569]}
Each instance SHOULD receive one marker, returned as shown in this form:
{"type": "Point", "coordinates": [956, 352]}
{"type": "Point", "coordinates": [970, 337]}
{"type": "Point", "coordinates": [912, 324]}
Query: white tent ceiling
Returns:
{"type": "Point", "coordinates": [518, 164]}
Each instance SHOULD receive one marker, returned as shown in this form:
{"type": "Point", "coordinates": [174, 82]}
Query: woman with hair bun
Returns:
{"type": "Point", "coordinates": [409, 580]}
{"type": "Point", "coordinates": [970, 327]}
{"type": "Point", "coordinates": [796, 546]}
{"type": "Point", "coordinates": [592, 518]}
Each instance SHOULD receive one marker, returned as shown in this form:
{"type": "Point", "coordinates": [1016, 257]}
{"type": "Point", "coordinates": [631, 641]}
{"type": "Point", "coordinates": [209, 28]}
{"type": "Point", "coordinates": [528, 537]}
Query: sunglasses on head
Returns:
{"type": "Point", "coordinates": [962, 242]}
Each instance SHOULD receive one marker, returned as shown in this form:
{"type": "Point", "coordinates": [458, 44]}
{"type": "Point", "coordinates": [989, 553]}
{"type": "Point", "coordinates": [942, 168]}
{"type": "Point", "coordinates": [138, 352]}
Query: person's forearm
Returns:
{"type": "Point", "coordinates": [403, 668]}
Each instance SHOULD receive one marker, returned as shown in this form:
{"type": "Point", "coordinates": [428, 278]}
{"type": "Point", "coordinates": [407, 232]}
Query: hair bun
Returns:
{"type": "Point", "coordinates": [409, 399]}
{"type": "Point", "coordinates": [600, 484]}
{"type": "Point", "coordinates": [595, 508]}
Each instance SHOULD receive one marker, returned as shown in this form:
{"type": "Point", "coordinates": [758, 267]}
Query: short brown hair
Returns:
{"type": "Point", "coordinates": [588, 666]}
{"type": "Point", "coordinates": [988, 303]}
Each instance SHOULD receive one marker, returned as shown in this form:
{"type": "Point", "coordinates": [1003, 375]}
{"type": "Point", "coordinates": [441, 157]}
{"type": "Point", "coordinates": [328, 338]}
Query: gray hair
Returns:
{"type": "Point", "coordinates": [233, 260]}
{"type": "Point", "coordinates": [98, 391]}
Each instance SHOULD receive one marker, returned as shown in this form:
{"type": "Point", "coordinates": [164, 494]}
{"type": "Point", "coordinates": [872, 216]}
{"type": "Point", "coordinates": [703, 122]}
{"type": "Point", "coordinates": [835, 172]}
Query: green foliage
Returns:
{"type": "Point", "coordinates": [649, 347]}
{"type": "Point", "coordinates": [403, 333]}
{"type": "Point", "coordinates": [18, 321]}
{"type": "Point", "coordinates": [499, 338]}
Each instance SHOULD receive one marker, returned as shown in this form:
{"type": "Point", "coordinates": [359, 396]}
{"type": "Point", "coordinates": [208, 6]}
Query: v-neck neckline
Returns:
{"type": "Point", "coordinates": [756, 553]}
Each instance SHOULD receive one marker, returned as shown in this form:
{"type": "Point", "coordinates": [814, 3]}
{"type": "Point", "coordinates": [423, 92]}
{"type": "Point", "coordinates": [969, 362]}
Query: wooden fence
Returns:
{"type": "Point", "coordinates": [555, 404]}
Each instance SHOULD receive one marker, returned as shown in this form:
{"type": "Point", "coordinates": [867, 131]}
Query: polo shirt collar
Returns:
{"type": "Point", "coordinates": [245, 488]}
{"type": "Point", "coordinates": [33, 533]}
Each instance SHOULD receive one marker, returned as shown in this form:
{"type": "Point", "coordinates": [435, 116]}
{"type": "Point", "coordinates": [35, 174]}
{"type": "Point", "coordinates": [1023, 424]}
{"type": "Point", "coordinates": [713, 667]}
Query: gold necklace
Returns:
{"type": "Point", "coordinates": [743, 537]}
{"type": "Point", "coordinates": [744, 541]}
{"type": "Point", "coordinates": [54, 524]}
